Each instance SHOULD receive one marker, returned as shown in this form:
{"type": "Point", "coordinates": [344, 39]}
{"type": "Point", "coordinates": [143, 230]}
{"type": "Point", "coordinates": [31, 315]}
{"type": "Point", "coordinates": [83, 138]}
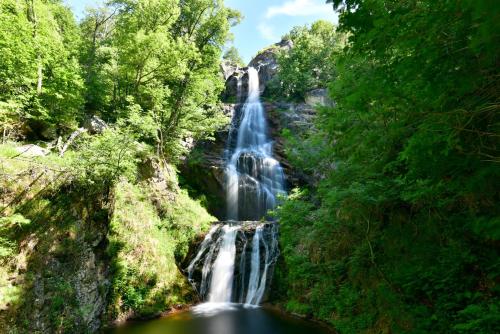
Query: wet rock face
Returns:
{"type": "Point", "coordinates": [204, 169]}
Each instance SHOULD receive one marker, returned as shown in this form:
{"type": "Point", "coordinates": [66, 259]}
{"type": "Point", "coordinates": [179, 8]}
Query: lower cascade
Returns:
{"type": "Point", "coordinates": [235, 264]}
{"type": "Point", "coordinates": [235, 261]}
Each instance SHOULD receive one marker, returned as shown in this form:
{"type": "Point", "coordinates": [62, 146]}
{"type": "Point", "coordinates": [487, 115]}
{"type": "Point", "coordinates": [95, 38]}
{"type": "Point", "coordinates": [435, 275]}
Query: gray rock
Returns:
{"type": "Point", "coordinates": [32, 150]}
{"type": "Point", "coordinates": [89, 280]}
{"type": "Point", "coordinates": [318, 97]}
{"type": "Point", "coordinates": [95, 125]}
{"type": "Point", "coordinates": [227, 69]}
{"type": "Point", "coordinates": [236, 85]}
{"type": "Point", "coordinates": [266, 62]}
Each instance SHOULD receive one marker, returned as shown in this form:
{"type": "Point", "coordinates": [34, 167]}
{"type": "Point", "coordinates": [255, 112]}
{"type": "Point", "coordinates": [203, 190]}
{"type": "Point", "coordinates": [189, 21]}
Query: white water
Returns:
{"type": "Point", "coordinates": [242, 270]}
{"type": "Point", "coordinates": [253, 284]}
{"type": "Point", "coordinates": [223, 270]}
{"type": "Point", "coordinates": [206, 270]}
{"type": "Point", "coordinates": [262, 284]}
{"type": "Point", "coordinates": [204, 245]}
{"type": "Point", "coordinates": [254, 180]}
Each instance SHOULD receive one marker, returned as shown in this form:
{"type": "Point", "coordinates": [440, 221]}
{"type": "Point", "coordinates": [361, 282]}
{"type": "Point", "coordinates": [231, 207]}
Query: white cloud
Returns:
{"type": "Point", "coordinates": [267, 32]}
{"type": "Point", "coordinates": [299, 8]}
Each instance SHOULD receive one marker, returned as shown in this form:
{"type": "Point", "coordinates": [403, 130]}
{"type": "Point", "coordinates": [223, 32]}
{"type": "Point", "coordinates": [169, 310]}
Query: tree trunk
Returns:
{"type": "Point", "coordinates": [40, 74]}
{"type": "Point", "coordinates": [70, 140]}
{"type": "Point", "coordinates": [31, 15]}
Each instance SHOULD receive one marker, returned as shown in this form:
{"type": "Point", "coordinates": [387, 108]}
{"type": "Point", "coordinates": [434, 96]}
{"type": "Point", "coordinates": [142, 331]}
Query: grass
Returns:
{"type": "Point", "coordinates": [144, 247]}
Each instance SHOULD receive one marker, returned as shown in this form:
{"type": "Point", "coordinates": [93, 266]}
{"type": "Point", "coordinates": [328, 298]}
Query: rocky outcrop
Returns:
{"type": "Point", "coordinates": [95, 125]}
{"type": "Point", "coordinates": [203, 169]}
{"type": "Point", "coordinates": [62, 269]}
{"type": "Point", "coordinates": [296, 118]}
{"type": "Point", "coordinates": [266, 63]}
{"type": "Point", "coordinates": [227, 68]}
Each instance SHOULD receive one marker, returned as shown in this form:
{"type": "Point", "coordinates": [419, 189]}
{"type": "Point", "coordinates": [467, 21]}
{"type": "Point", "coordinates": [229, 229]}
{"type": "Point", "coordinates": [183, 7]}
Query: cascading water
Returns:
{"type": "Point", "coordinates": [254, 181]}
{"type": "Point", "coordinates": [254, 177]}
{"type": "Point", "coordinates": [223, 268]}
{"type": "Point", "coordinates": [255, 269]}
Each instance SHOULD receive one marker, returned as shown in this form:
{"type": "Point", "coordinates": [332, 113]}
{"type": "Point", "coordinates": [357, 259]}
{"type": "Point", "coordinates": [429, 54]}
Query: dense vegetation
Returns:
{"type": "Point", "coordinates": [400, 231]}
{"type": "Point", "coordinates": [152, 64]}
{"type": "Point", "coordinates": [310, 63]}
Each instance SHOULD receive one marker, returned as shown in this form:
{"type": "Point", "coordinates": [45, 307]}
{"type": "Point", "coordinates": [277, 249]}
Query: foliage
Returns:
{"type": "Point", "coordinates": [161, 57]}
{"type": "Point", "coordinates": [233, 56]}
{"type": "Point", "coordinates": [401, 233]}
{"type": "Point", "coordinates": [309, 64]}
{"type": "Point", "coordinates": [40, 81]}
{"type": "Point", "coordinates": [104, 159]}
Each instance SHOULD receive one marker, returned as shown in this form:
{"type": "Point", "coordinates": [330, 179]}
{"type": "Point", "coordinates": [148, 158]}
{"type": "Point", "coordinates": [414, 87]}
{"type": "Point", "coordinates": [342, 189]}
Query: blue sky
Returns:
{"type": "Point", "coordinates": [265, 21]}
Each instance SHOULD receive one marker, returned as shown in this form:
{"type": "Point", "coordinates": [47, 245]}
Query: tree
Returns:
{"type": "Point", "coordinates": [98, 59]}
{"type": "Point", "coordinates": [232, 55]}
{"type": "Point", "coordinates": [309, 64]}
{"type": "Point", "coordinates": [39, 69]}
{"type": "Point", "coordinates": [167, 62]}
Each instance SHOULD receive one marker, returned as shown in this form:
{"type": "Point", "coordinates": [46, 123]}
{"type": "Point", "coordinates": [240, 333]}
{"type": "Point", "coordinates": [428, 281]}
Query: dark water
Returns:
{"type": "Point", "coordinates": [238, 320]}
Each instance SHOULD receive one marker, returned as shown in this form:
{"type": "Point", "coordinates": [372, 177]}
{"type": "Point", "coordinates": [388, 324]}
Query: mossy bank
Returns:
{"type": "Point", "coordinates": [77, 257]}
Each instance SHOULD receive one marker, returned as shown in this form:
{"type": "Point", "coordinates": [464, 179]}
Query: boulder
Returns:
{"type": "Point", "coordinates": [236, 86]}
{"type": "Point", "coordinates": [32, 150]}
{"type": "Point", "coordinates": [227, 68]}
{"type": "Point", "coordinates": [318, 97]}
{"type": "Point", "coordinates": [95, 125]}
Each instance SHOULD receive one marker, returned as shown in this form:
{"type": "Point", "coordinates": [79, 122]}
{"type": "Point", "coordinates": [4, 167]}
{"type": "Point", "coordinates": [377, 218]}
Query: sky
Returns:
{"type": "Point", "coordinates": [265, 21]}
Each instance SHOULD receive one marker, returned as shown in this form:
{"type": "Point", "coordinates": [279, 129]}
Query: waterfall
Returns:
{"type": "Point", "coordinates": [254, 181]}
{"type": "Point", "coordinates": [223, 269]}
{"type": "Point", "coordinates": [203, 248]}
{"type": "Point", "coordinates": [255, 269]}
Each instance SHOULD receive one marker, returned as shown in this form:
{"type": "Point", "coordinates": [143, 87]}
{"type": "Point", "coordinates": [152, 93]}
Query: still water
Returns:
{"type": "Point", "coordinates": [228, 319]}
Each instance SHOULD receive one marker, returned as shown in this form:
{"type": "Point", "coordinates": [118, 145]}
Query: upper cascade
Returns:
{"type": "Point", "coordinates": [254, 178]}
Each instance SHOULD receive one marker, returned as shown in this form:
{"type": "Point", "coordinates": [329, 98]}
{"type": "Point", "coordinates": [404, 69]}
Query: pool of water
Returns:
{"type": "Point", "coordinates": [223, 319]}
